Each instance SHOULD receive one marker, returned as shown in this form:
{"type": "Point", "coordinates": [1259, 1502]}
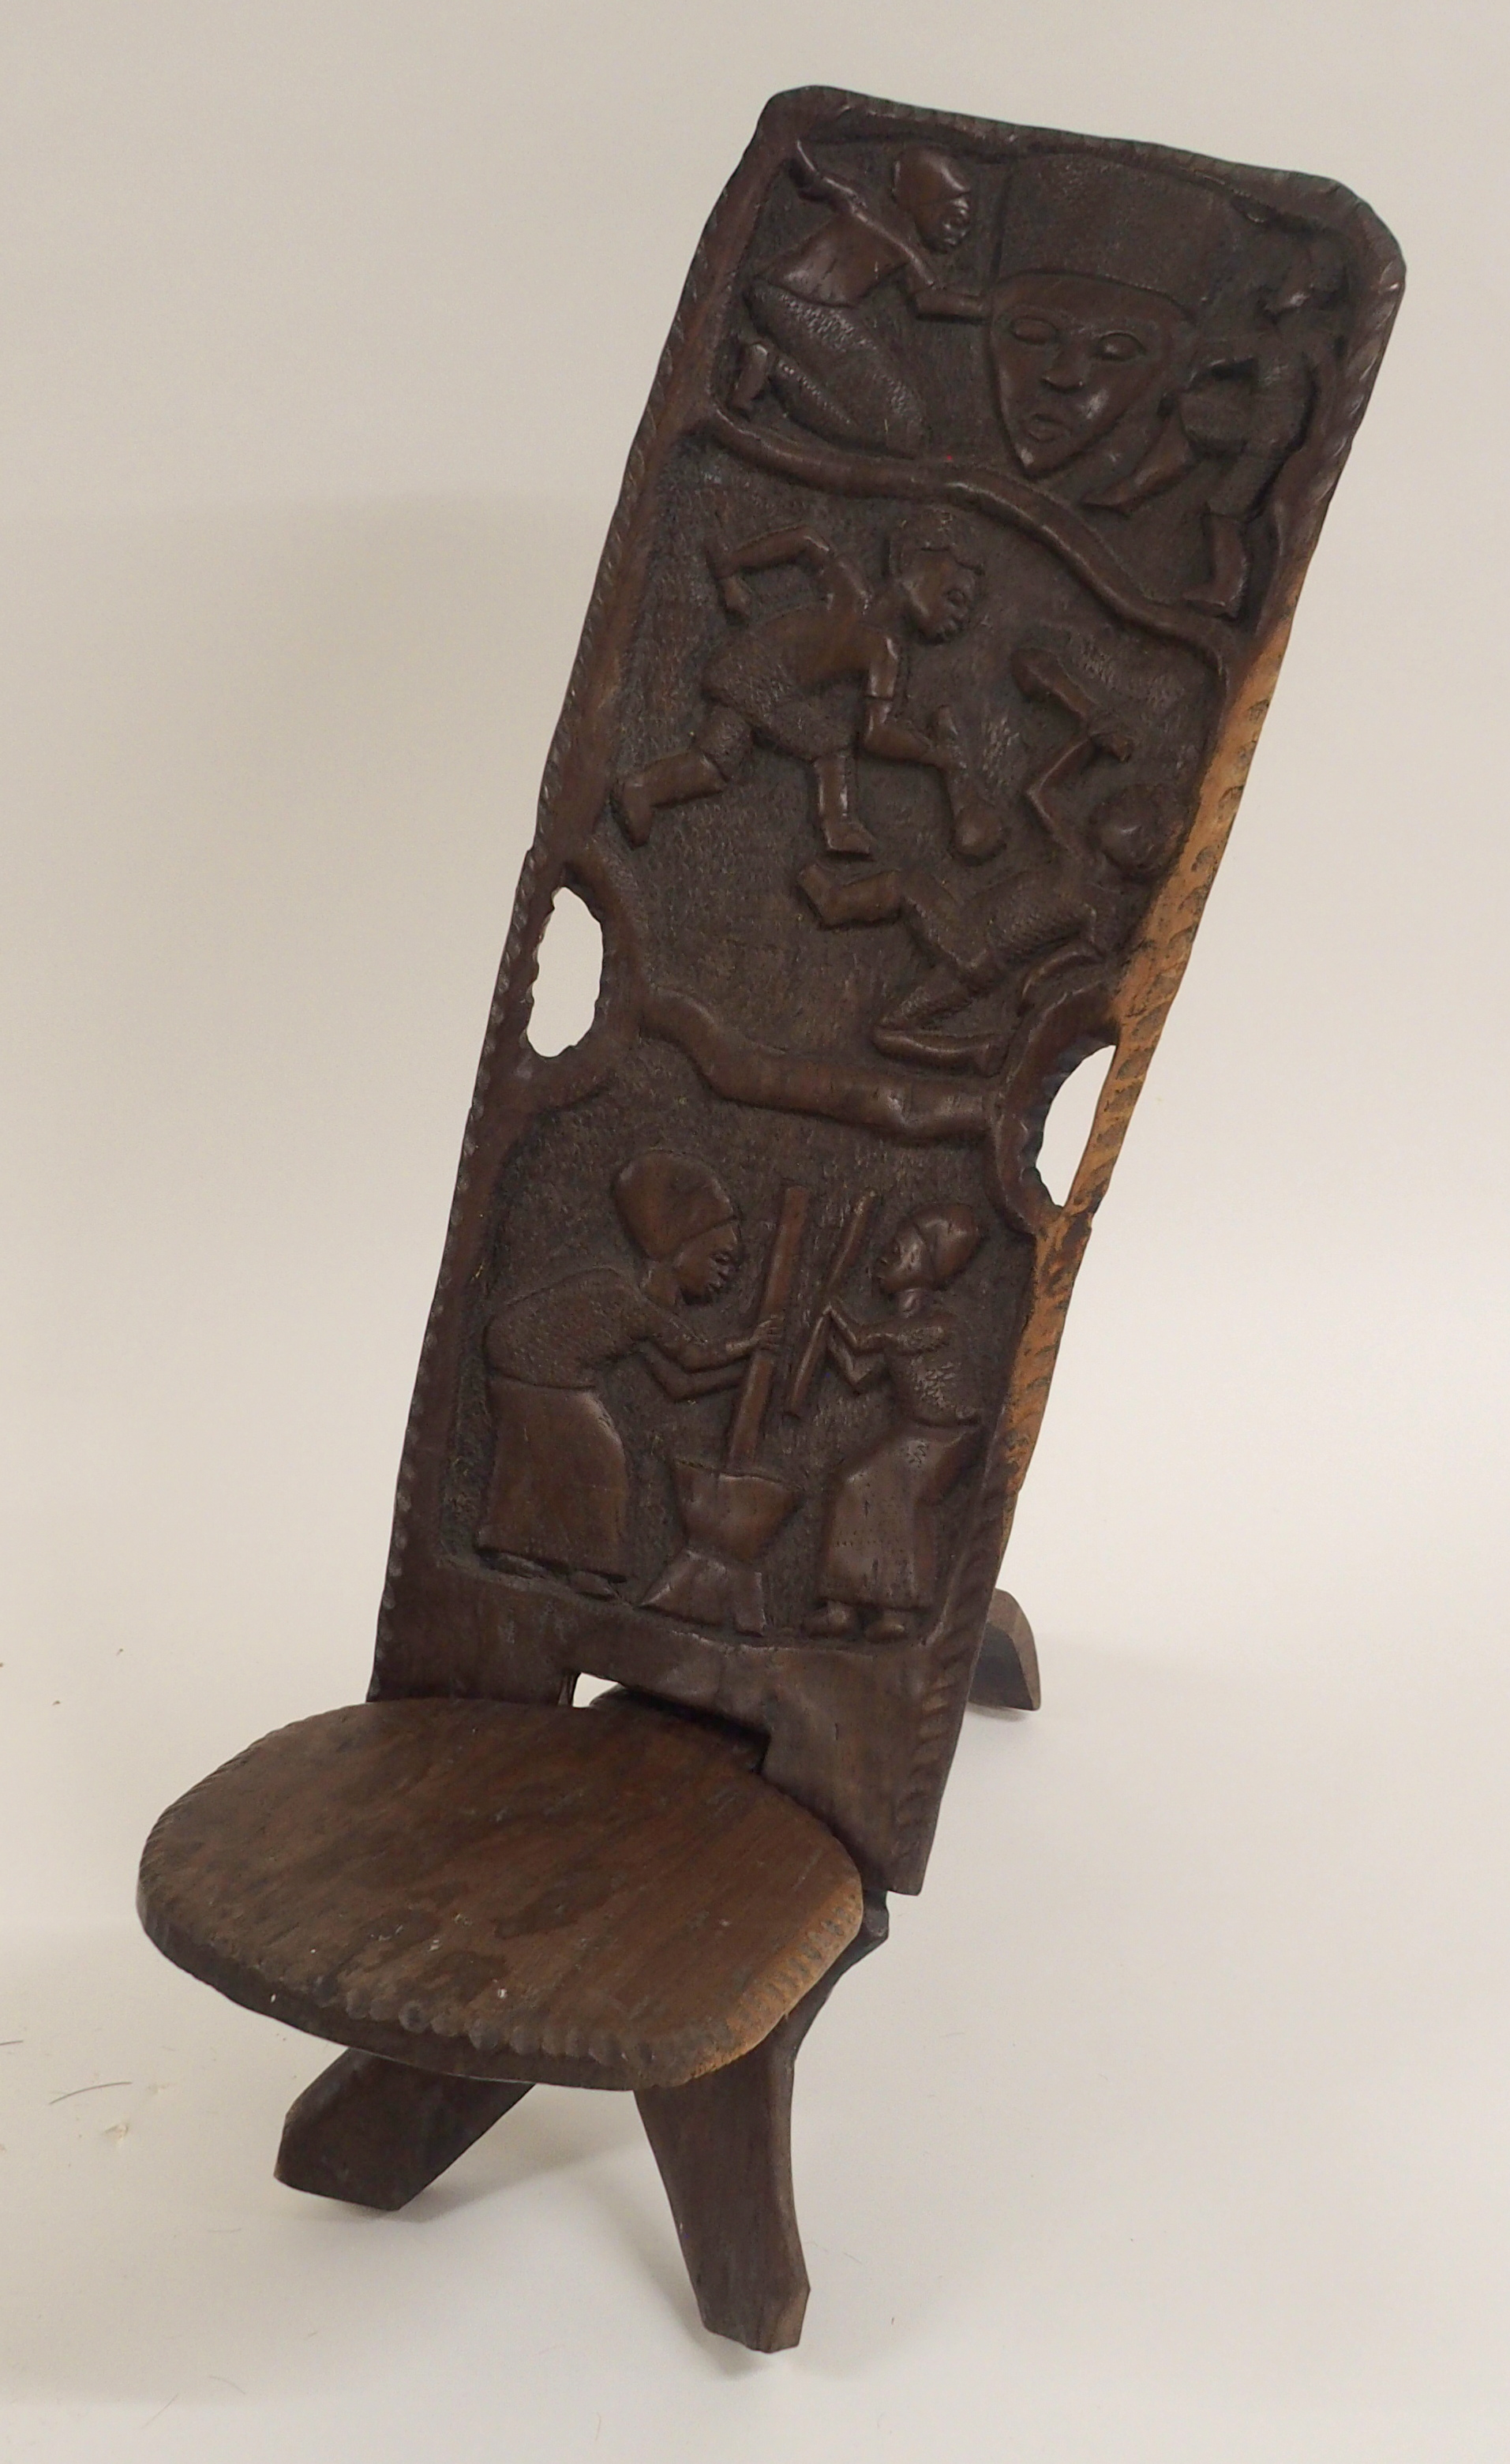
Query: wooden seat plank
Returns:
{"type": "Point", "coordinates": [600, 1898]}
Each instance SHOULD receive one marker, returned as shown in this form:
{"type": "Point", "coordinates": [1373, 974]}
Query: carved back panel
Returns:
{"type": "Point", "coordinates": [942, 606]}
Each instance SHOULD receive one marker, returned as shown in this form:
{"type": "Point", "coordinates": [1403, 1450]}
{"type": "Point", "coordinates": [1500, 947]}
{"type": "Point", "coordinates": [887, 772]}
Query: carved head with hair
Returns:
{"type": "Point", "coordinates": [1135, 830]}
{"type": "Point", "coordinates": [929, 1248]}
{"type": "Point", "coordinates": [933, 191]}
{"type": "Point", "coordinates": [681, 1217]}
{"type": "Point", "coordinates": [938, 578]}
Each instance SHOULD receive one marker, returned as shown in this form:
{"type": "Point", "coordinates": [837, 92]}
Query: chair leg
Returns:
{"type": "Point", "coordinates": [1007, 1672]}
{"type": "Point", "coordinates": [378, 2133]}
{"type": "Point", "coordinates": [724, 2146]}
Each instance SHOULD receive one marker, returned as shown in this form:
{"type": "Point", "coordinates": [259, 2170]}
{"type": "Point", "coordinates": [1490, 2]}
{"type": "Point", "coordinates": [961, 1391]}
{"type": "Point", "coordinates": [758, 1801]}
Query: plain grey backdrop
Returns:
{"type": "Point", "coordinates": [1173, 2127]}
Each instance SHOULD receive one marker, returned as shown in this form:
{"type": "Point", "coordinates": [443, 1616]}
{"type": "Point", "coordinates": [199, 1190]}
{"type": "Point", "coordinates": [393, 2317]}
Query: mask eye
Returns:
{"type": "Point", "coordinates": [1037, 330]}
{"type": "Point", "coordinates": [1119, 346]}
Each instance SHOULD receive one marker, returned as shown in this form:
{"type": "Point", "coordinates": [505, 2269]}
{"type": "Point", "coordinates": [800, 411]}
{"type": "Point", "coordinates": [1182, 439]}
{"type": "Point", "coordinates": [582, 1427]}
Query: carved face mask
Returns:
{"type": "Point", "coordinates": [1072, 356]}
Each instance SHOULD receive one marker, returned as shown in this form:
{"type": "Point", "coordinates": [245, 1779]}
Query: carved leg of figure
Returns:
{"type": "Point", "coordinates": [833, 374]}
{"type": "Point", "coordinates": [724, 2146]}
{"type": "Point", "coordinates": [836, 897]}
{"type": "Point", "coordinates": [907, 1032]}
{"type": "Point", "coordinates": [378, 2133]}
{"type": "Point", "coordinates": [837, 817]}
{"type": "Point", "coordinates": [1227, 587]}
{"type": "Point", "coordinates": [1007, 1672]}
{"type": "Point", "coordinates": [674, 780]}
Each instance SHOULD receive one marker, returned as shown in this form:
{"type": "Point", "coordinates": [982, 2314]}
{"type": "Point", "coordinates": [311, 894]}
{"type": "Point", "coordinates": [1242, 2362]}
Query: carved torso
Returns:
{"type": "Point", "coordinates": [564, 1334]}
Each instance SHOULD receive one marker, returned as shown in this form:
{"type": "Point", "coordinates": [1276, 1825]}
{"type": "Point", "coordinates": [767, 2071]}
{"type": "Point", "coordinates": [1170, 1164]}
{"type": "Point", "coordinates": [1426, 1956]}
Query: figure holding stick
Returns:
{"type": "Point", "coordinates": [879, 1549]}
{"type": "Point", "coordinates": [731, 1516]}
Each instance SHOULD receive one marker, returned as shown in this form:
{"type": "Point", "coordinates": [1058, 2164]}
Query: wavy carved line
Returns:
{"type": "Point", "coordinates": [996, 493]}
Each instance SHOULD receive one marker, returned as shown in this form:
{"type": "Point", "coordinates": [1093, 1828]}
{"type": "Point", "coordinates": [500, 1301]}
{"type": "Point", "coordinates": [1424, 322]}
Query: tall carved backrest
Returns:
{"type": "Point", "coordinates": [935, 627]}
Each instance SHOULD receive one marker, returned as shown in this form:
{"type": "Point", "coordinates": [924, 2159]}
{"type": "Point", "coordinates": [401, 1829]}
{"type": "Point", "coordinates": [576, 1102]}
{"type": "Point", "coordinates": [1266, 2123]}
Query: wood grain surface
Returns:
{"type": "Point", "coordinates": [601, 1897]}
{"type": "Point", "coordinates": [935, 627]}
{"type": "Point", "coordinates": [942, 603]}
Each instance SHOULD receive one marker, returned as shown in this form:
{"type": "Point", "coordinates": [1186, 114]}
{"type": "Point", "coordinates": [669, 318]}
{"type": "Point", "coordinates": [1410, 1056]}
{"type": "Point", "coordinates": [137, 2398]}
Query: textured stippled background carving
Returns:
{"type": "Point", "coordinates": [309, 457]}
{"type": "Point", "coordinates": [746, 1020]}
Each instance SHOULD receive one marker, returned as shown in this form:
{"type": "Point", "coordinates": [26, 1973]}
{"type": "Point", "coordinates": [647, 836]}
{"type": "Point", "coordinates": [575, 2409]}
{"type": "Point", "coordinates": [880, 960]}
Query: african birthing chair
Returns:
{"type": "Point", "coordinates": [935, 627]}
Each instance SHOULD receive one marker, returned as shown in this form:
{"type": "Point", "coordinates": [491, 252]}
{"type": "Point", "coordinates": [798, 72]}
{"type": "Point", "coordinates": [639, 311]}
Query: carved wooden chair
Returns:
{"type": "Point", "coordinates": [934, 630]}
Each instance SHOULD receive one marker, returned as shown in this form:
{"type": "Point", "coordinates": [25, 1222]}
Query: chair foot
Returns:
{"type": "Point", "coordinates": [724, 2146]}
{"type": "Point", "coordinates": [377, 2133]}
{"type": "Point", "coordinates": [1007, 1672]}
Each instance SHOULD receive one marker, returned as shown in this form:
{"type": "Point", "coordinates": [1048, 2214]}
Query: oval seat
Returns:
{"type": "Point", "coordinates": [603, 1897]}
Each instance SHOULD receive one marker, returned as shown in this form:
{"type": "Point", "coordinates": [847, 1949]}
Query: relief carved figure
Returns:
{"type": "Point", "coordinates": [731, 1512]}
{"type": "Point", "coordinates": [879, 1543]}
{"type": "Point", "coordinates": [1256, 384]}
{"type": "Point", "coordinates": [823, 680]}
{"type": "Point", "coordinates": [817, 352]}
{"type": "Point", "coordinates": [559, 1491]}
{"type": "Point", "coordinates": [1029, 929]}
{"type": "Point", "coordinates": [1148, 333]}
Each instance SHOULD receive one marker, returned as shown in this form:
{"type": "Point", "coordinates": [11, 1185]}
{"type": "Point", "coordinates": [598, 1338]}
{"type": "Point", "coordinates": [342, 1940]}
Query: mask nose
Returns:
{"type": "Point", "coordinates": [1070, 366]}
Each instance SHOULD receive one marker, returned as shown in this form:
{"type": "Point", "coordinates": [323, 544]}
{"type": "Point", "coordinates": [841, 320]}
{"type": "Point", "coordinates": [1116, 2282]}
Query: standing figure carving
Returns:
{"type": "Point", "coordinates": [879, 1543]}
{"type": "Point", "coordinates": [776, 683]}
{"type": "Point", "coordinates": [558, 1494]}
{"type": "Point", "coordinates": [823, 360]}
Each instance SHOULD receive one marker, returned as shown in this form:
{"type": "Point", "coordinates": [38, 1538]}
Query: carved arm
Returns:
{"type": "Point", "coordinates": [825, 188]}
{"type": "Point", "coordinates": [871, 213]}
{"type": "Point", "coordinates": [671, 1339]}
{"type": "Point", "coordinates": [856, 1372]}
{"type": "Point", "coordinates": [931, 297]}
{"type": "Point", "coordinates": [684, 1385]}
{"type": "Point", "coordinates": [859, 1336]}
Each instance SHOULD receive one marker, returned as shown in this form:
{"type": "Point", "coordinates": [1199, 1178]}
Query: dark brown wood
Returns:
{"type": "Point", "coordinates": [1005, 1675]}
{"type": "Point", "coordinates": [377, 2132]}
{"type": "Point", "coordinates": [724, 2146]}
{"type": "Point", "coordinates": [603, 1897]}
{"type": "Point", "coordinates": [944, 598]}
{"type": "Point", "coordinates": [933, 635]}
